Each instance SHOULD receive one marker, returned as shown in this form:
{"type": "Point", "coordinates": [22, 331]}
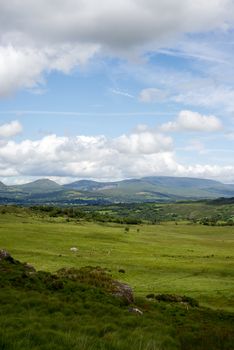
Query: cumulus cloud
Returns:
{"type": "Point", "coordinates": [83, 156]}
{"type": "Point", "coordinates": [36, 38]}
{"type": "Point", "coordinates": [23, 67]}
{"type": "Point", "coordinates": [20, 68]}
{"type": "Point", "coordinates": [193, 121]}
{"type": "Point", "coordinates": [142, 153]}
{"type": "Point", "coordinates": [143, 142]}
{"type": "Point", "coordinates": [10, 129]}
{"type": "Point", "coordinates": [223, 173]}
{"type": "Point", "coordinates": [110, 23]}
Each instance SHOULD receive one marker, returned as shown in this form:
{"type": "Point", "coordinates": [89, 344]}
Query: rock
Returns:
{"type": "Point", "coordinates": [29, 267]}
{"type": "Point", "coordinates": [135, 310]}
{"type": "Point", "coordinates": [74, 249]}
{"type": "Point", "coordinates": [98, 277]}
{"type": "Point", "coordinates": [123, 291]}
{"type": "Point", "coordinates": [4, 255]}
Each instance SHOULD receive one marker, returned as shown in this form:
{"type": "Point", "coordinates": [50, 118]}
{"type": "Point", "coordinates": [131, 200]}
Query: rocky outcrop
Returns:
{"type": "Point", "coordinates": [5, 256]}
{"type": "Point", "coordinates": [100, 278]}
{"type": "Point", "coordinates": [93, 276]}
{"type": "Point", "coordinates": [135, 310]}
{"type": "Point", "coordinates": [123, 291]}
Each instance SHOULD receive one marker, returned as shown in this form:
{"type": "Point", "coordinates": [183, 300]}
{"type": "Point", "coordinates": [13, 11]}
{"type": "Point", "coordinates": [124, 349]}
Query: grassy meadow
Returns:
{"type": "Point", "coordinates": [168, 258]}
{"type": "Point", "coordinates": [176, 258]}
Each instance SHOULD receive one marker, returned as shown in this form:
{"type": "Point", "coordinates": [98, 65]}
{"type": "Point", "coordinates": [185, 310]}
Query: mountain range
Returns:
{"type": "Point", "coordinates": [146, 189]}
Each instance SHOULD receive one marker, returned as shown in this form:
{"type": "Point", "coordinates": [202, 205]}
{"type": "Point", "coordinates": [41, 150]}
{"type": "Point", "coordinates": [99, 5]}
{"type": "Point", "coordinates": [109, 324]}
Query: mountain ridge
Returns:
{"type": "Point", "coordinates": [38, 185]}
{"type": "Point", "coordinates": [145, 189]}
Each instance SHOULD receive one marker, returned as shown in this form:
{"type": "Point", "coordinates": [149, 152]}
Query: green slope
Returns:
{"type": "Point", "coordinates": [39, 186]}
{"type": "Point", "coordinates": [168, 188]}
{"type": "Point", "coordinates": [132, 190]}
{"type": "Point", "coordinates": [76, 310]}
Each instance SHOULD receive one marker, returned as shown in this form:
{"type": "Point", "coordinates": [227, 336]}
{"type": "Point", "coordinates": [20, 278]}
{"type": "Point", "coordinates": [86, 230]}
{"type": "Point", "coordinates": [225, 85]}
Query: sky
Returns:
{"type": "Point", "coordinates": [109, 90]}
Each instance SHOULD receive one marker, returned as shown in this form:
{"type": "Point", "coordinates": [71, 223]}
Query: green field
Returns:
{"type": "Point", "coordinates": [184, 259]}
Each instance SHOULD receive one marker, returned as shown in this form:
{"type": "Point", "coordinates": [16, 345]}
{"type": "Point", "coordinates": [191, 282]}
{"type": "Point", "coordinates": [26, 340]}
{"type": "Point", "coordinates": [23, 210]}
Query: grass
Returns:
{"type": "Point", "coordinates": [184, 259]}
{"type": "Point", "coordinates": [41, 311]}
{"type": "Point", "coordinates": [45, 311]}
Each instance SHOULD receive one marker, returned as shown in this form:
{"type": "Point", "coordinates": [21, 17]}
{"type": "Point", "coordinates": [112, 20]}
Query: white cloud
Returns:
{"type": "Point", "coordinates": [20, 68]}
{"type": "Point", "coordinates": [218, 172]}
{"type": "Point", "coordinates": [193, 121]}
{"type": "Point", "coordinates": [23, 67]}
{"type": "Point", "coordinates": [142, 153]}
{"type": "Point", "coordinates": [36, 38]}
{"type": "Point", "coordinates": [10, 129]}
{"type": "Point", "coordinates": [110, 23]}
{"type": "Point", "coordinates": [82, 155]}
{"type": "Point", "coordinates": [143, 142]}
{"type": "Point", "coordinates": [201, 89]}
{"type": "Point", "coordinates": [204, 76]}
{"type": "Point", "coordinates": [206, 94]}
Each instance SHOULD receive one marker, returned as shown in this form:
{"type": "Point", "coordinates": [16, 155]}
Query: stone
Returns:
{"type": "Point", "coordinates": [4, 255]}
{"type": "Point", "coordinates": [29, 267]}
{"type": "Point", "coordinates": [74, 249]}
{"type": "Point", "coordinates": [135, 310]}
{"type": "Point", "coordinates": [123, 291]}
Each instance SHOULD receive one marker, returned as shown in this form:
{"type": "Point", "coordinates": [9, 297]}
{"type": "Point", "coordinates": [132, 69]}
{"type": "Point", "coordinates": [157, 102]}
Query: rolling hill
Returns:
{"type": "Point", "coordinates": [160, 187]}
{"type": "Point", "coordinates": [146, 189]}
{"type": "Point", "coordinates": [39, 186]}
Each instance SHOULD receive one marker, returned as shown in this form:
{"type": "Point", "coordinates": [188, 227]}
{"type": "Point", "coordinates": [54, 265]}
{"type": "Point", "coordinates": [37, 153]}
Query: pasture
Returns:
{"type": "Point", "coordinates": [183, 258]}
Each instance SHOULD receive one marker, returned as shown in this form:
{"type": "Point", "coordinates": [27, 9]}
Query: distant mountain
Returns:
{"type": "Point", "coordinates": [222, 201]}
{"type": "Point", "coordinates": [2, 186]}
{"type": "Point", "coordinates": [155, 188]}
{"type": "Point", "coordinates": [146, 189]}
{"type": "Point", "coordinates": [89, 185]}
{"type": "Point", "coordinates": [39, 186]}
{"type": "Point", "coordinates": [180, 182]}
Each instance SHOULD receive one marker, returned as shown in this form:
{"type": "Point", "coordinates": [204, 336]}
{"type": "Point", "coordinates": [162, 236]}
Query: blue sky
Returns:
{"type": "Point", "coordinates": [116, 90]}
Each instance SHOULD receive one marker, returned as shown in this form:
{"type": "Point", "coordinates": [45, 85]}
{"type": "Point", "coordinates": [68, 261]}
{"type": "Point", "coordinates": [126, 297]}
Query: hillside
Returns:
{"type": "Point", "coordinates": [147, 189]}
{"type": "Point", "coordinates": [38, 186]}
{"type": "Point", "coordinates": [159, 287]}
{"type": "Point", "coordinates": [2, 186]}
{"type": "Point", "coordinates": [75, 309]}
{"type": "Point", "coordinates": [88, 185]}
{"type": "Point", "coordinates": [160, 187]}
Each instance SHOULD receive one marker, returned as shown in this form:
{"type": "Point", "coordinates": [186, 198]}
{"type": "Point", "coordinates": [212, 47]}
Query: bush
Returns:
{"type": "Point", "coordinates": [173, 298]}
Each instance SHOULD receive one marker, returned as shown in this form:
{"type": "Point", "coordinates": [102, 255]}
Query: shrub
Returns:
{"type": "Point", "coordinates": [174, 298]}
